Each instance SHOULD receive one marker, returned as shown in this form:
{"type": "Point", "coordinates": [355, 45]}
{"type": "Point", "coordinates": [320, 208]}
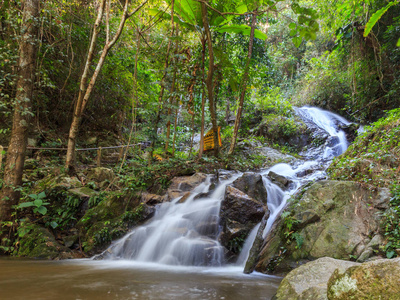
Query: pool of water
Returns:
{"type": "Point", "coordinates": [88, 279]}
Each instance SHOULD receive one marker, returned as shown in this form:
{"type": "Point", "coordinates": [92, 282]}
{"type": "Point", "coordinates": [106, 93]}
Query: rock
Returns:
{"type": "Point", "coordinates": [151, 199]}
{"type": "Point", "coordinates": [279, 180]}
{"type": "Point", "coordinates": [239, 213]}
{"type": "Point", "coordinates": [183, 184]}
{"type": "Point", "coordinates": [70, 240]}
{"type": "Point", "coordinates": [331, 218]}
{"type": "Point", "coordinates": [101, 174]}
{"type": "Point", "coordinates": [255, 248]}
{"type": "Point", "coordinates": [378, 279]}
{"type": "Point", "coordinates": [274, 156]}
{"type": "Point", "coordinates": [350, 130]}
{"type": "Point", "coordinates": [252, 185]}
{"type": "Point", "coordinates": [309, 281]}
{"type": "Point", "coordinates": [38, 242]}
{"type": "Point", "coordinates": [83, 192]}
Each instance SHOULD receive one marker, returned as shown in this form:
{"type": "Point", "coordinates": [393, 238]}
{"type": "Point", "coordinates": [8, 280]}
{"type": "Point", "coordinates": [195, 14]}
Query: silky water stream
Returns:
{"type": "Point", "coordinates": [176, 255]}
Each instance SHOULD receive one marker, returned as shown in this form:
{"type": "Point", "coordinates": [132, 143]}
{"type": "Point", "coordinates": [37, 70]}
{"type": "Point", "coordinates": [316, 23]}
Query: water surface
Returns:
{"type": "Point", "coordinates": [86, 279]}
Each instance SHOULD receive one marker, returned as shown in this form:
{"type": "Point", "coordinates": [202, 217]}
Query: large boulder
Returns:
{"type": "Point", "coordinates": [378, 279]}
{"type": "Point", "coordinates": [238, 215]}
{"type": "Point", "coordinates": [37, 242]}
{"type": "Point", "coordinates": [252, 185]}
{"type": "Point", "coordinates": [309, 281]}
{"type": "Point", "coordinates": [331, 218]}
{"type": "Point", "coordinates": [328, 278]}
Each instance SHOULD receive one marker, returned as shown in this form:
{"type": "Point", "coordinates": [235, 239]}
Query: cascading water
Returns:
{"type": "Point", "coordinates": [304, 171]}
{"type": "Point", "coordinates": [180, 233]}
{"type": "Point", "coordinates": [185, 234]}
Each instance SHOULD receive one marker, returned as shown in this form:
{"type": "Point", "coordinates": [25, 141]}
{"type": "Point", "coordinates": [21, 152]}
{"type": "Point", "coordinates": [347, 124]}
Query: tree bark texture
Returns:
{"type": "Point", "coordinates": [22, 111]}
{"type": "Point", "coordinates": [244, 85]}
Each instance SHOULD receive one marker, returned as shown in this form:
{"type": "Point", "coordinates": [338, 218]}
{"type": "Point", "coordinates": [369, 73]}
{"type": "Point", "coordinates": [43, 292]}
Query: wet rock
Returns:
{"type": "Point", "coordinates": [238, 215]}
{"type": "Point", "coordinates": [377, 279]}
{"type": "Point", "coordinates": [309, 281]}
{"type": "Point", "coordinates": [151, 199]}
{"type": "Point", "coordinates": [183, 184]}
{"type": "Point", "coordinates": [350, 130]}
{"type": "Point", "coordinates": [279, 180]}
{"type": "Point", "coordinates": [331, 218]}
{"type": "Point", "coordinates": [252, 185]}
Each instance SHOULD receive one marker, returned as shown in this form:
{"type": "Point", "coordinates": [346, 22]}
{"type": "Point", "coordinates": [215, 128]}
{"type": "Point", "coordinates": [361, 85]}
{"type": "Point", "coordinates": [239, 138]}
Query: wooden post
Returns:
{"type": "Point", "coordinates": [121, 153]}
{"type": "Point", "coordinates": [99, 157]}
{"type": "Point", "coordinates": [1, 156]}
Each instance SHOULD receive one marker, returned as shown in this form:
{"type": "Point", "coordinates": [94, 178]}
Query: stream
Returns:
{"type": "Point", "coordinates": [176, 254]}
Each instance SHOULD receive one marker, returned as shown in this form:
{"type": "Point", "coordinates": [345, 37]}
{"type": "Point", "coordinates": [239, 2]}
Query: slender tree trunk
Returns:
{"type": "Point", "coordinates": [203, 95]}
{"type": "Point", "coordinates": [85, 92]}
{"type": "Point", "coordinates": [162, 88]}
{"type": "Point", "coordinates": [22, 111]}
{"type": "Point", "coordinates": [209, 81]}
{"type": "Point", "coordinates": [70, 158]}
{"type": "Point", "coordinates": [172, 96]}
{"type": "Point", "coordinates": [244, 85]}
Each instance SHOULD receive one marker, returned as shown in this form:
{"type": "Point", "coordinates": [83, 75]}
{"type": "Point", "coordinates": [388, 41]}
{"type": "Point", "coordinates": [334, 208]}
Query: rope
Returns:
{"type": "Point", "coordinates": [83, 149]}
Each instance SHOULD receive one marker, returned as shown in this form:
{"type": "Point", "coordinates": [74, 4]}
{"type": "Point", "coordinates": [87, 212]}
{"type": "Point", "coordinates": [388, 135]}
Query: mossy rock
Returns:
{"type": "Point", "coordinates": [330, 219]}
{"type": "Point", "coordinates": [37, 242]}
{"type": "Point", "coordinates": [377, 279]}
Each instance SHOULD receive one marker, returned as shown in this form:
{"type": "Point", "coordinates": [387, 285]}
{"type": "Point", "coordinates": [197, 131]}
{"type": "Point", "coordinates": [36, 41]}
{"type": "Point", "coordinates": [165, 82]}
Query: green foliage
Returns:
{"type": "Point", "coordinates": [392, 224]}
{"type": "Point", "coordinates": [373, 157]}
{"type": "Point", "coordinates": [376, 16]}
{"type": "Point", "coordinates": [38, 203]}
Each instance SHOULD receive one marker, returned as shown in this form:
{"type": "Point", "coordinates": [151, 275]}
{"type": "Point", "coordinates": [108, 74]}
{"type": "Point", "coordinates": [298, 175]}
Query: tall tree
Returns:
{"type": "Point", "coordinates": [22, 109]}
{"type": "Point", "coordinates": [85, 89]}
{"type": "Point", "coordinates": [245, 79]}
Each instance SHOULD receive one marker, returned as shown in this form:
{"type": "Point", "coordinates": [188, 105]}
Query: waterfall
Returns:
{"type": "Point", "coordinates": [180, 233]}
{"type": "Point", "coordinates": [185, 233]}
{"type": "Point", "coordinates": [303, 172]}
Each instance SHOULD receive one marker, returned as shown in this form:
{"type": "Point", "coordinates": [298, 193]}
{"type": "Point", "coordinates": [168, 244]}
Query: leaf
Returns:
{"type": "Point", "coordinates": [243, 29]}
{"type": "Point", "coordinates": [241, 9]}
{"type": "Point", "coordinates": [398, 43]}
{"type": "Point", "coordinates": [25, 204]}
{"type": "Point", "coordinates": [390, 254]}
{"type": "Point", "coordinates": [38, 202]}
{"type": "Point", "coordinates": [42, 210]}
{"type": "Point", "coordinates": [292, 25]}
{"type": "Point", "coordinates": [297, 41]}
{"type": "Point", "coordinates": [293, 32]}
{"type": "Point", "coordinates": [53, 224]}
{"type": "Point", "coordinates": [375, 18]}
{"type": "Point", "coordinates": [41, 195]}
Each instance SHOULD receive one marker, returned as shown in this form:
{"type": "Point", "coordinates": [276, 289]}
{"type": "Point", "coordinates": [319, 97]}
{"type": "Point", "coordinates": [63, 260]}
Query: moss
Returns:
{"type": "Point", "coordinates": [373, 280]}
{"type": "Point", "coordinates": [37, 242]}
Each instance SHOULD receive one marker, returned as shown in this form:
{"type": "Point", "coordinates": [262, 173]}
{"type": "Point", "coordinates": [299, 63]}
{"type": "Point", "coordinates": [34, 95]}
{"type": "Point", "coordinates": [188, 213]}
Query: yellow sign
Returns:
{"type": "Point", "coordinates": [209, 139]}
{"type": "Point", "coordinates": [157, 157]}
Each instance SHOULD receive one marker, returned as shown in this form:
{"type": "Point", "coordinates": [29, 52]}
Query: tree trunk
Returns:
{"type": "Point", "coordinates": [209, 81]}
{"type": "Point", "coordinates": [244, 85]}
{"type": "Point", "coordinates": [22, 111]}
{"type": "Point", "coordinates": [172, 96]}
{"type": "Point", "coordinates": [203, 96]}
{"type": "Point", "coordinates": [85, 92]}
{"type": "Point", "coordinates": [160, 97]}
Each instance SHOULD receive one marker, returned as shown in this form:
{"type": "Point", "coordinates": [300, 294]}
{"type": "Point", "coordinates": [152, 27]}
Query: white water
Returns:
{"type": "Point", "coordinates": [185, 234]}
{"type": "Point", "coordinates": [181, 234]}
